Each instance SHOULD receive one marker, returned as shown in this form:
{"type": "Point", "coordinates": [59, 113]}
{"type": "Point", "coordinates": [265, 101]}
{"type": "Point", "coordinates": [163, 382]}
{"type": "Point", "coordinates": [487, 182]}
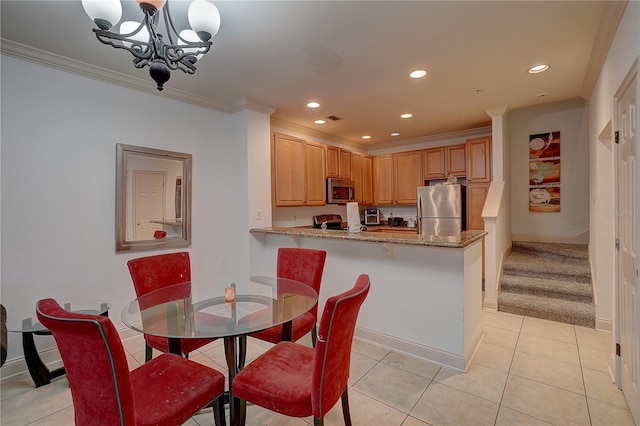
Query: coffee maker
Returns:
{"type": "Point", "coordinates": [371, 217]}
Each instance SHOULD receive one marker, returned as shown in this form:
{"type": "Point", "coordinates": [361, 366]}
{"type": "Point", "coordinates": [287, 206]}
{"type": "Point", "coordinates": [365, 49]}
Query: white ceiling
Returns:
{"type": "Point", "coordinates": [353, 57]}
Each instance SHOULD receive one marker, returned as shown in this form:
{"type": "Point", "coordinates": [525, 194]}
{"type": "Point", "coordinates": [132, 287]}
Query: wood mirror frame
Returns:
{"type": "Point", "coordinates": [180, 223]}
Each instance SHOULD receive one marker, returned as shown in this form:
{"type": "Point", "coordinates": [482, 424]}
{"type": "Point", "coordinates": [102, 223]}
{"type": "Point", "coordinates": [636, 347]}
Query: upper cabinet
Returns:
{"type": "Point", "coordinates": [338, 162]}
{"type": "Point", "coordinates": [440, 162]}
{"type": "Point", "coordinates": [479, 160]}
{"type": "Point", "coordinates": [362, 175]}
{"type": "Point", "coordinates": [298, 169]}
{"type": "Point", "coordinates": [383, 179]}
{"type": "Point", "coordinates": [407, 176]}
{"type": "Point", "coordinates": [396, 177]}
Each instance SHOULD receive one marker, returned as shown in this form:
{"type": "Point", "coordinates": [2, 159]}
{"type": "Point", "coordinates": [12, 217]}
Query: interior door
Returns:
{"type": "Point", "coordinates": [148, 203]}
{"type": "Point", "coordinates": [628, 296]}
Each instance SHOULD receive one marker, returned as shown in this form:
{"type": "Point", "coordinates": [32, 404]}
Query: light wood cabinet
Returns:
{"type": "Point", "coordinates": [476, 196]}
{"type": "Point", "coordinates": [479, 160]}
{"type": "Point", "coordinates": [362, 175]}
{"type": "Point", "coordinates": [298, 169]}
{"type": "Point", "coordinates": [407, 176]}
{"type": "Point", "coordinates": [440, 162]}
{"type": "Point", "coordinates": [338, 162]}
{"type": "Point", "coordinates": [396, 177]}
{"type": "Point", "coordinates": [434, 163]}
{"type": "Point", "coordinates": [457, 160]}
{"type": "Point", "coordinates": [383, 179]}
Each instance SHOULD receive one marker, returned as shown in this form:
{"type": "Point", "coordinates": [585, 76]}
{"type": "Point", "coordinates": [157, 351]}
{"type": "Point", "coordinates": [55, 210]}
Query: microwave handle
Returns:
{"type": "Point", "coordinates": [351, 194]}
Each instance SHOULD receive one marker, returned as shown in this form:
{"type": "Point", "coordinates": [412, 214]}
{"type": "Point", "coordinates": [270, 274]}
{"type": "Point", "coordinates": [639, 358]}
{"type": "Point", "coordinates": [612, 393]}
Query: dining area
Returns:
{"type": "Point", "coordinates": [177, 317]}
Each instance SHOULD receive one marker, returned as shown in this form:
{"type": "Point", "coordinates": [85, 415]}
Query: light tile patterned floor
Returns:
{"type": "Point", "coordinates": [525, 372]}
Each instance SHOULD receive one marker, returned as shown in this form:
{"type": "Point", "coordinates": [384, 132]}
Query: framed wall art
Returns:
{"type": "Point", "coordinates": [544, 172]}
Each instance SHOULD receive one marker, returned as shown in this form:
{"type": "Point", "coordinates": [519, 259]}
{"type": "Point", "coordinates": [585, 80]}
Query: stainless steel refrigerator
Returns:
{"type": "Point", "coordinates": [442, 210]}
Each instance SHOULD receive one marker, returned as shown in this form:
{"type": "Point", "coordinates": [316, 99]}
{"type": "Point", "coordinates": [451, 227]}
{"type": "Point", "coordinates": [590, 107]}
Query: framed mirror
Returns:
{"type": "Point", "coordinates": [153, 198]}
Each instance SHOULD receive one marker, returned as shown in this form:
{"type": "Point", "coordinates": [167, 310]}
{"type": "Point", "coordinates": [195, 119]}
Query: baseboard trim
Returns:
{"type": "Point", "coordinates": [410, 348]}
{"type": "Point", "coordinates": [558, 239]}
{"type": "Point", "coordinates": [603, 324]}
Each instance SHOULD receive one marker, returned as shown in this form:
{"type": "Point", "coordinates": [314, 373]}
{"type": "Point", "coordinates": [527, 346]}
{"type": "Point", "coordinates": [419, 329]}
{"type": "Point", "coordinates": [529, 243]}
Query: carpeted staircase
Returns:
{"type": "Point", "coordinates": [549, 281]}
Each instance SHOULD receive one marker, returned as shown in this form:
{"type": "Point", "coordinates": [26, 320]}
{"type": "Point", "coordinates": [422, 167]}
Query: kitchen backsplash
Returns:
{"type": "Point", "coordinates": [301, 216]}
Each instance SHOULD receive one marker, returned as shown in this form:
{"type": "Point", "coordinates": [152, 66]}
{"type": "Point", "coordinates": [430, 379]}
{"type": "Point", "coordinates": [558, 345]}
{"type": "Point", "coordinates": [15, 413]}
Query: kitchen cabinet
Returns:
{"type": "Point", "coordinates": [396, 177]}
{"type": "Point", "coordinates": [338, 162]}
{"type": "Point", "coordinates": [442, 161]}
{"type": "Point", "coordinates": [407, 176]}
{"type": "Point", "coordinates": [476, 196]}
{"type": "Point", "coordinates": [478, 160]}
{"type": "Point", "coordinates": [383, 179]}
{"type": "Point", "coordinates": [362, 175]}
{"type": "Point", "coordinates": [298, 171]}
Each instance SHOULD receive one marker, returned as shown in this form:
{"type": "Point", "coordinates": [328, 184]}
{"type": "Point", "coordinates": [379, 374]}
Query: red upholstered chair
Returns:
{"type": "Point", "coordinates": [154, 272]}
{"type": "Point", "coordinates": [165, 391]}
{"type": "Point", "coordinates": [299, 381]}
{"type": "Point", "coordinates": [303, 265]}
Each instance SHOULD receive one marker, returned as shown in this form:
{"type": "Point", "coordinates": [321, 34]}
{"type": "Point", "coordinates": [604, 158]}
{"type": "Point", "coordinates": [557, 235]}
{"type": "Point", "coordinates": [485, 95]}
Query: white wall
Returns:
{"type": "Point", "coordinates": [572, 222]}
{"type": "Point", "coordinates": [624, 50]}
{"type": "Point", "coordinates": [58, 142]}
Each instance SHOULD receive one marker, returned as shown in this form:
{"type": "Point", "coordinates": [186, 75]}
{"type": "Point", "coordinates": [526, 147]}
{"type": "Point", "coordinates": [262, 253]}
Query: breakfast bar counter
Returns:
{"type": "Point", "coordinates": [426, 292]}
{"type": "Point", "coordinates": [385, 235]}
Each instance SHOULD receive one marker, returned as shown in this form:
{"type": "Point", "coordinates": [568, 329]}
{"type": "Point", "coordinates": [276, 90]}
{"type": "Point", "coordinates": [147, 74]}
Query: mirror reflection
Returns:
{"type": "Point", "coordinates": [152, 198]}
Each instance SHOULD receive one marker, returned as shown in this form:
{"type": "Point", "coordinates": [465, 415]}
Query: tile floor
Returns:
{"type": "Point", "coordinates": [526, 372]}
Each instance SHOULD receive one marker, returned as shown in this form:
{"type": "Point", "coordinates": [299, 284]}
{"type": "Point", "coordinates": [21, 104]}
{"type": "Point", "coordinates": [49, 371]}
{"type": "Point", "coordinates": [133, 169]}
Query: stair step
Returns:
{"type": "Point", "coordinates": [525, 264]}
{"type": "Point", "coordinates": [582, 314]}
{"type": "Point", "coordinates": [564, 252]}
{"type": "Point", "coordinates": [568, 290]}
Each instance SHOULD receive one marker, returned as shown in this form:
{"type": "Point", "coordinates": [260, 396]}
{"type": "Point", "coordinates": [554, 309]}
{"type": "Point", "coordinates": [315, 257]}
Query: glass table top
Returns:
{"type": "Point", "coordinates": [87, 306]}
{"type": "Point", "coordinates": [259, 303]}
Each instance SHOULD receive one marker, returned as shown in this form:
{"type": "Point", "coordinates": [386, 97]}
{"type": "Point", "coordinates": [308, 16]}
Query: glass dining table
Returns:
{"type": "Point", "coordinates": [222, 308]}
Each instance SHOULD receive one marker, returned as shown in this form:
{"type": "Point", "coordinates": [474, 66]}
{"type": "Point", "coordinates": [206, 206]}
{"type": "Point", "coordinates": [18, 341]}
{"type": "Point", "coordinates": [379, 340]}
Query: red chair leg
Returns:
{"type": "Point", "coordinates": [218, 412]}
{"type": "Point", "coordinates": [148, 352]}
{"type": "Point", "coordinates": [345, 408]}
{"type": "Point", "coordinates": [242, 420]}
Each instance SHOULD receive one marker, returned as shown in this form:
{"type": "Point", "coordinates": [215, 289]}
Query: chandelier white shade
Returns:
{"type": "Point", "coordinates": [161, 52]}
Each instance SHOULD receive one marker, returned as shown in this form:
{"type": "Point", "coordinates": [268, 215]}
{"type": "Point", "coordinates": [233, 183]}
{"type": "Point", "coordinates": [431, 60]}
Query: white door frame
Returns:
{"type": "Point", "coordinates": [633, 73]}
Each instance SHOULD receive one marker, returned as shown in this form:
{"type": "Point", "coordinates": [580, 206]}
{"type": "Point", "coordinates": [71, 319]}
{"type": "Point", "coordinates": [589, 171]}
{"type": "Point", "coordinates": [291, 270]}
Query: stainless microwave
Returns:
{"type": "Point", "coordinates": [340, 191]}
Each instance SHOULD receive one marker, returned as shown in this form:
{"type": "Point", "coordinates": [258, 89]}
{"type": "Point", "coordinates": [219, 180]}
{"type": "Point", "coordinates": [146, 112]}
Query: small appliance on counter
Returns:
{"type": "Point", "coordinates": [371, 217]}
{"type": "Point", "coordinates": [333, 221]}
{"type": "Point", "coordinates": [395, 221]}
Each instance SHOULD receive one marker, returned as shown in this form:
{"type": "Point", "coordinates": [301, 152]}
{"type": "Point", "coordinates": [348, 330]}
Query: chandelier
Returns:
{"type": "Point", "coordinates": [180, 50]}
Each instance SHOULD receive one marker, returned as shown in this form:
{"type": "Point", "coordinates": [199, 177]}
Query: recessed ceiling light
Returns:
{"type": "Point", "coordinates": [366, 137]}
{"type": "Point", "coordinates": [395, 134]}
{"type": "Point", "coordinates": [406, 116]}
{"type": "Point", "coordinates": [319, 121]}
{"type": "Point", "coordinates": [313, 104]}
{"type": "Point", "coordinates": [418, 74]}
{"type": "Point", "coordinates": [538, 68]}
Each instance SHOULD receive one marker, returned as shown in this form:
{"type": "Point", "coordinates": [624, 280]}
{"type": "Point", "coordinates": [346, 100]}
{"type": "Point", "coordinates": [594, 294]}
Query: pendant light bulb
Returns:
{"type": "Point", "coordinates": [104, 13]}
{"type": "Point", "coordinates": [204, 19]}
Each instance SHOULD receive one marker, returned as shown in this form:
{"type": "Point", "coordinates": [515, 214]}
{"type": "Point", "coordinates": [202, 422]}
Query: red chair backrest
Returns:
{"type": "Point", "coordinates": [95, 362]}
{"type": "Point", "coordinates": [333, 348]}
{"type": "Point", "coordinates": [303, 265]}
{"type": "Point", "coordinates": [154, 272]}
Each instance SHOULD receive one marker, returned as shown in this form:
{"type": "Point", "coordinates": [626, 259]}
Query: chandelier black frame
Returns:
{"type": "Point", "coordinates": [161, 57]}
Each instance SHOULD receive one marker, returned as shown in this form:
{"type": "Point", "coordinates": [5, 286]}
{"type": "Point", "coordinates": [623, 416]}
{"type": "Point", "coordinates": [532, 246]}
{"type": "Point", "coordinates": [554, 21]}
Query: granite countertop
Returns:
{"type": "Point", "coordinates": [385, 235]}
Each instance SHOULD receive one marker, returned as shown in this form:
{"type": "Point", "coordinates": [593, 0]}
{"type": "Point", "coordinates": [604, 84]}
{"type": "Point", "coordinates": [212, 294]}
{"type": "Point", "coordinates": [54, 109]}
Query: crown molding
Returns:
{"type": "Point", "coordinates": [611, 16]}
{"type": "Point", "coordinates": [421, 140]}
{"type": "Point", "coordinates": [293, 127]}
{"type": "Point", "coordinates": [252, 105]}
{"type": "Point", "coordinates": [63, 63]}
